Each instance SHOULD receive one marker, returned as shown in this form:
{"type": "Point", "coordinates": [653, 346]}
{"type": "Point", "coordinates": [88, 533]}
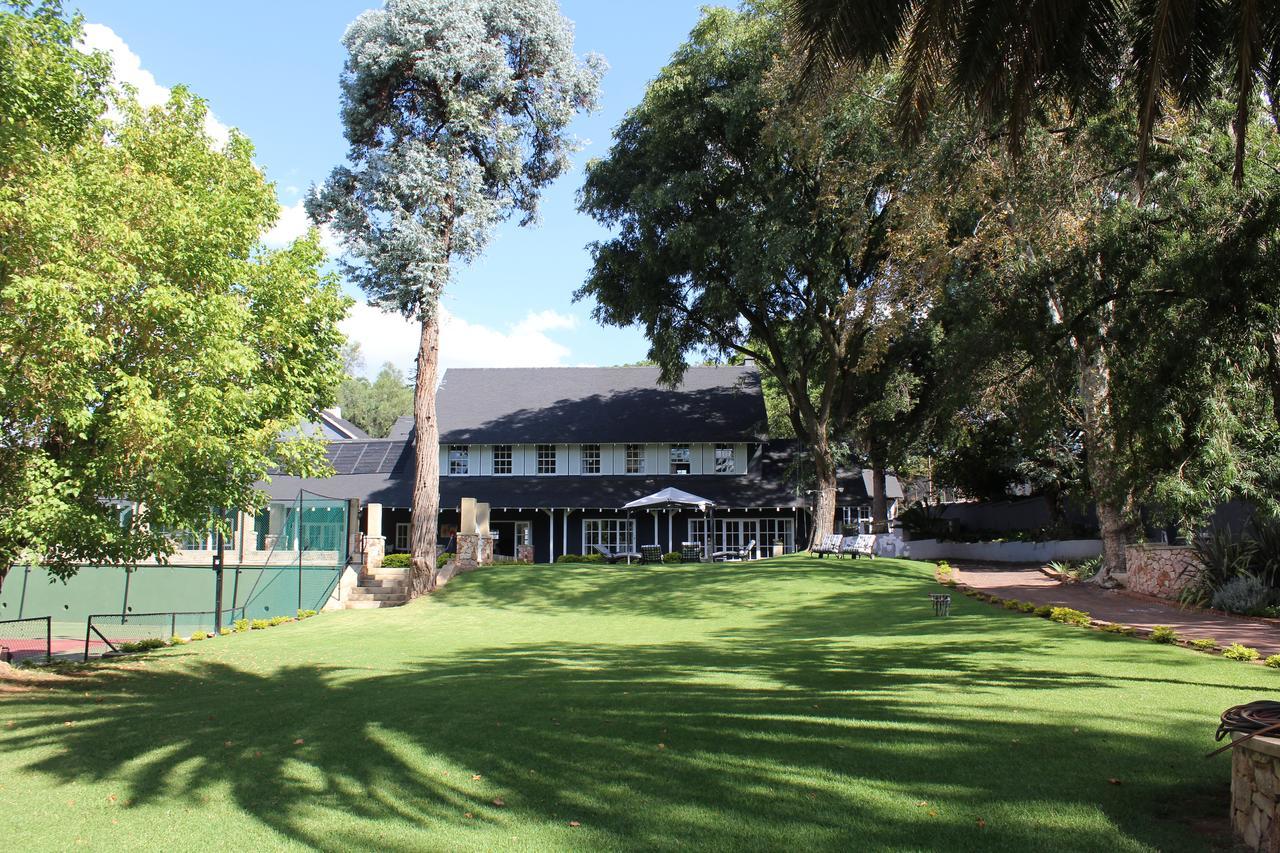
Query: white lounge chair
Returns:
{"type": "Point", "coordinates": [830, 544]}
{"type": "Point", "coordinates": [615, 556]}
{"type": "Point", "coordinates": [743, 553]}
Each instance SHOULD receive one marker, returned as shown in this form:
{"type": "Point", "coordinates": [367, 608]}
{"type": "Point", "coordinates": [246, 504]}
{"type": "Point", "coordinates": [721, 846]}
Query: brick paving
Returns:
{"type": "Point", "coordinates": [1030, 584]}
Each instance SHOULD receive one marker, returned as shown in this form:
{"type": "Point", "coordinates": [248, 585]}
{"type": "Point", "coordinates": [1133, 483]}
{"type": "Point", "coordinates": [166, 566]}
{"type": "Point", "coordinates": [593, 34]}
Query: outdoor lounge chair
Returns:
{"type": "Point", "coordinates": [743, 553]}
{"type": "Point", "coordinates": [616, 556]}
{"type": "Point", "coordinates": [830, 544]}
{"type": "Point", "coordinates": [862, 545]}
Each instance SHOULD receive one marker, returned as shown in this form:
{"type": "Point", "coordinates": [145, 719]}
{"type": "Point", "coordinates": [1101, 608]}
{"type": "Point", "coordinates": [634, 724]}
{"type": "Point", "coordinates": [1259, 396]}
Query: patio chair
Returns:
{"type": "Point", "coordinates": [865, 545]}
{"type": "Point", "coordinates": [830, 544]}
{"type": "Point", "coordinates": [690, 554]}
{"type": "Point", "coordinates": [650, 554]}
{"type": "Point", "coordinates": [743, 553]}
{"type": "Point", "coordinates": [615, 556]}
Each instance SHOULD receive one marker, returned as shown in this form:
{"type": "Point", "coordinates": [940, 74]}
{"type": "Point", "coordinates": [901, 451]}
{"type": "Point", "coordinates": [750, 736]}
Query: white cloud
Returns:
{"type": "Point", "coordinates": [292, 224]}
{"type": "Point", "coordinates": [126, 67]}
{"type": "Point", "coordinates": [385, 336]}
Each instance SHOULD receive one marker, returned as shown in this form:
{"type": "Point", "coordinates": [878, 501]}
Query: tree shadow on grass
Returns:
{"type": "Point", "coordinates": [732, 744]}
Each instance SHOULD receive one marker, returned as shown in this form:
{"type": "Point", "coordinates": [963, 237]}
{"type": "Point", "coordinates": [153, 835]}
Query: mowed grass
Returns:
{"type": "Point", "coordinates": [790, 704]}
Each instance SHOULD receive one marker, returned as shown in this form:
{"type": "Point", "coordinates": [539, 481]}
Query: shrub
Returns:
{"type": "Point", "coordinates": [1067, 616]}
{"type": "Point", "coordinates": [569, 558]}
{"type": "Point", "coordinates": [1235, 651]}
{"type": "Point", "coordinates": [596, 558]}
{"type": "Point", "coordinates": [241, 625]}
{"type": "Point", "coordinates": [198, 635]}
{"type": "Point", "coordinates": [441, 559]}
{"type": "Point", "coordinates": [143, 645]}
{"type": "Point", "coordinates": [1117, 628]}
{"type": "Point", "coordinates": [1027, 607]}
{"type": "Point", "coordinates": [1044, 611]}
{"type": "Point", "coordinates": [278, 620]}
{"type": "Point", "coordinates": [396, 561]}
{"type": "Point", "coordinates": [225, 632]}
{"type": "Point", "coordinates": [1273, 661]}
{"type": "Point", "coordinates": [175, 640]}
{"type": "Point", "coordinates": [1163, 634]}
{"type": "Point", "coordinates": [1011, 604]}
{"type": "Point", "coordinates": [1205, 644]}
{"type": "Point", "coordinates": [1244, 594]}
{"type": "Point", "coordinates": [259, 625]}
{"type": "Point", "coordinates": [672, 557]}
{"type": "Point", "coordinates": [306, 614]}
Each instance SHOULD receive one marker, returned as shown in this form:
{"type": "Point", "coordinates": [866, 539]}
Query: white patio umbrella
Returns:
{"type": "Point", "coordinates": [672, 498]}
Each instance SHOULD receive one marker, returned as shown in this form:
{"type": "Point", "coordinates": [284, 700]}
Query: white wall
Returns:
{"type": "Point", "coordinates": [1002, 552]}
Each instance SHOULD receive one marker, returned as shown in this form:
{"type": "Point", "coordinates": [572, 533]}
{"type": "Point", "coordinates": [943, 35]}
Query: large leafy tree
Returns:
{"type": "Point", "coordinates": [1010, 58]}
{"type": "Point", "coordinates": [375, 406]}
{"type": "Point", "coordinates": [456, 114]}
{"type": "Point", "coordinates": [149, 352]}
{"type": "Point", "coordinates": [747, 230]}
{"type": "Point", "coordinates": [1145, 319]}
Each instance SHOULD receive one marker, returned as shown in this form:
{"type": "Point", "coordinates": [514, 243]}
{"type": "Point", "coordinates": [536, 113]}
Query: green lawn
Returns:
{"type": "Point", "coordinates": [787, 704]}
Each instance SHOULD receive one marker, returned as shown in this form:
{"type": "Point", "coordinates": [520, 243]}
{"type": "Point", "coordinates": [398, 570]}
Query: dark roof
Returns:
{"type": "Point", "coordinates": [402, 428]}
{"type": "Point", "coordinates": [381, 471]}
{"type": "Point", "coordinates": [342, 426]}
{"type": "Point", "coordinates": [599, 404]}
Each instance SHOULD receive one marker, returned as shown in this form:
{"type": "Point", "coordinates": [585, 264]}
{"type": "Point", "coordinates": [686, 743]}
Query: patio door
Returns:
{"type": "Point", "coordinates": [734, 534]}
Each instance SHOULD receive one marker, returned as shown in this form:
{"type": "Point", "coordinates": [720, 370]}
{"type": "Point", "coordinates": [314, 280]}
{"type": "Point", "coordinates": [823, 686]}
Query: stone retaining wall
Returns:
{"type": "Point", "coordinates": [1255, 794]}
{"type": "Point", "coordinates": [1161, 570]}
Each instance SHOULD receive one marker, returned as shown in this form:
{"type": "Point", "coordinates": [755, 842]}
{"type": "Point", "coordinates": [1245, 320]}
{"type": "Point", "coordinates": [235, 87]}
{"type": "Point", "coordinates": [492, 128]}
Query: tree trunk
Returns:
{"type": "Point", "coordinates": [426, 482]}
{"type": "Point", "coordinates": [1115, 536]}
{"type": "Point", "coordinates": [879, 502]}
{"type": "Point", "coordinates": [1112, 499]}
{"type": "Point", "coordinates": [824, 511]}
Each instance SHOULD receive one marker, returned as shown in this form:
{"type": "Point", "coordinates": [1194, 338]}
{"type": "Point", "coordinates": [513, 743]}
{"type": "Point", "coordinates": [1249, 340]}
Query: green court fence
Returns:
{"type": "Point", "coordinates": [26, 638]}
{"type": "Point", "coordinates": [105, 632]}
{"type": "Point", "coordinates": [291, 560]}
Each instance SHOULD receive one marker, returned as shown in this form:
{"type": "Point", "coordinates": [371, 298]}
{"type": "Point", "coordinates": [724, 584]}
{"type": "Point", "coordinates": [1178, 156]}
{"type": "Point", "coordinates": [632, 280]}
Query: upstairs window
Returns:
{"type": "Point", "coordinates": [635, 458]}
{"type": "Point", "coordinates": [502, 459]}
{"type": "Point", "coordinates": [591, 459]}
{"type": "Point", "coordinates": [680, 459]}
{"type": "Point", "coordinates": [459, 458]}
{"type": "Point", "coordinates": [546, 458]}
{"type": "Point", "coordinates": [724, 459]}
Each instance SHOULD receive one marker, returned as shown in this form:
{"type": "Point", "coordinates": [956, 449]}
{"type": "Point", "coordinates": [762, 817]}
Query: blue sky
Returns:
{"type": "Point", "coordinates": [271, 69]}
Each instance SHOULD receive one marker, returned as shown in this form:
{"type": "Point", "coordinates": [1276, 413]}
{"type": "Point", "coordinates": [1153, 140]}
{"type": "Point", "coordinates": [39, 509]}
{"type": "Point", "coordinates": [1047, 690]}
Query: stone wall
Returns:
{"type": "Point", "coordinates": [1255, 794]}
{"type": "Point", "coordinates": [1160, 570]}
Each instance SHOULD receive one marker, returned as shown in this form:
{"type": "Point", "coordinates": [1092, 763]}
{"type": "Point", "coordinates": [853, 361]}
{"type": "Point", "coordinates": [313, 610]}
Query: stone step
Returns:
{"type": "Point", "coordinates": [368, 595]}
{"type": "Point", "coordinates": [371, 605]}
{"type": "Point", "coordinates": [384, 583]}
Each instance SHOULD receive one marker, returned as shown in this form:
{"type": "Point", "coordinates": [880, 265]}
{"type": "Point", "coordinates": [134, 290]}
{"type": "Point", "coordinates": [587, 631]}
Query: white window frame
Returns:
{"type": "Point", "coordinates": [735, 533]}
{"type": "Point", "coordinates": [543, 452]}
{"type": "Point", "coordinates": [508, 460]}
{"type": "Point", "coordinates": [726, 464]}
{"type": "Point", "coordinates": [459, 460]}
{"type": "Point", "coordinates": [596, 449]}
{"type": "Point", "coordinates": [635, 458]}
{"type": "Point", "coordinates": [613, 533]}
{"type": "Point", "coordinates": [676, 462]}
{"type": "Point", "coordinates": [401, 541]}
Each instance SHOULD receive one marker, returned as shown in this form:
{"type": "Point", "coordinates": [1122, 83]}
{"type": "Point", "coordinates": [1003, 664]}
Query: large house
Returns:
{"type": "Point", "coordinates": [557, 452]}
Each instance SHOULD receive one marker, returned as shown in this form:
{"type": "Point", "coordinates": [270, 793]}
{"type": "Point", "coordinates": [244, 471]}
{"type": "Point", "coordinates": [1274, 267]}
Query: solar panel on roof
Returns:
{"type": "Point", "coordinates": [369, 460]}
{"type": "Point", "coordinates": [347, 456]}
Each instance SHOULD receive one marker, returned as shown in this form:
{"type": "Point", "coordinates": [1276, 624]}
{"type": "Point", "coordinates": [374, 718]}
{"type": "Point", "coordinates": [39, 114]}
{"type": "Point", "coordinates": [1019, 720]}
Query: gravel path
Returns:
{"type": "Point", "coordinates": [1030, 584]}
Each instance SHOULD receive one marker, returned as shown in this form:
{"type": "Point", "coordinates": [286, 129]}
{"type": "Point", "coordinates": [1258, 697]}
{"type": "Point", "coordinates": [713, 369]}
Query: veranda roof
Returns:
{"type": "Point", "coordinates": [668, 498]}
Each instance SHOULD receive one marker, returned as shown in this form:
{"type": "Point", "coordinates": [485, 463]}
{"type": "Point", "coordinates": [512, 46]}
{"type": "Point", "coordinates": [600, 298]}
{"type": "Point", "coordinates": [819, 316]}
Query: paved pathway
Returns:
{"type": "Point", "coordinates": [1030, 584]}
